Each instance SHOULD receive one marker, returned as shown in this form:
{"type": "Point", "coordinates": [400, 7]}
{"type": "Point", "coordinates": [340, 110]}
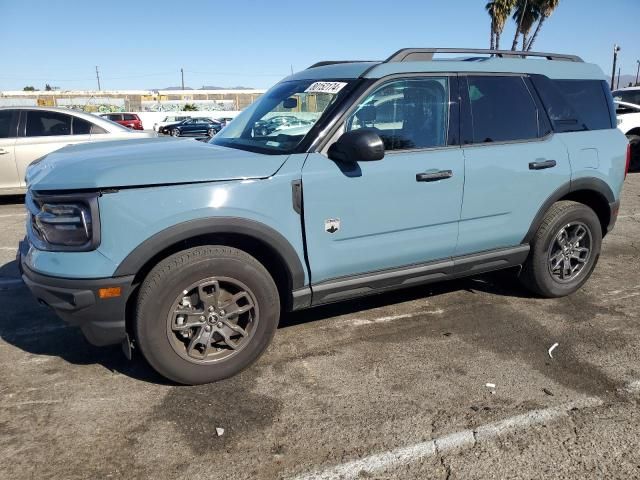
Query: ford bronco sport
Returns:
{"type": "Point", "coordinates": [389, 174]}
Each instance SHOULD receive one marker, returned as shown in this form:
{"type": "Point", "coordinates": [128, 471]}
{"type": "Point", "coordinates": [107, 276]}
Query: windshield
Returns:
{"type": "Point", "coordinates": [279, 120]}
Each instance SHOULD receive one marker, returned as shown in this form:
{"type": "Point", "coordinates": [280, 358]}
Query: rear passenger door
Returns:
{"type": "Point", "coordinates": [513, 162]}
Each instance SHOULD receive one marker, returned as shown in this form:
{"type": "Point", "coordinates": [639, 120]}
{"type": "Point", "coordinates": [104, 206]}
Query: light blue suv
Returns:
{"type": "Point", "coordinates": [387, 174]}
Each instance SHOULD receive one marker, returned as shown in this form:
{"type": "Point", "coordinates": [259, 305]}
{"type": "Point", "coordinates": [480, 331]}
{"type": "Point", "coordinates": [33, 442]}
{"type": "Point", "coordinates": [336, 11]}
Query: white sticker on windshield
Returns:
{"type": "Point", "coordinates": [325, 87]}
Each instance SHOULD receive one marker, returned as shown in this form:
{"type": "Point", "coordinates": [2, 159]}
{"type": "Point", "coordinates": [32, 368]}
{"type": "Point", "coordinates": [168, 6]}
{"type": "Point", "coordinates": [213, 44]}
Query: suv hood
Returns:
{"type": "Point", "coordinates": [146, 162]}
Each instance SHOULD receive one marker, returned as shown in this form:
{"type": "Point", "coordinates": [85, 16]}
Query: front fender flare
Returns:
{"type": "Point", "coordinates": [155, 244]}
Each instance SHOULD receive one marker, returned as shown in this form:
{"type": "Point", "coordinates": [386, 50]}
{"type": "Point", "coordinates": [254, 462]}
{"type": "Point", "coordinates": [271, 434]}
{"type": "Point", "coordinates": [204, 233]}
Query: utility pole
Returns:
{"type": "Point", "coordinates": [182, 76]}
{"type": "Point", "coordinates": [616, 49]}
{"type": "Point", "coordinates": [618, 83]}
{"type": "Point", "coordinates": [637, 72]}
{"type": "Point", "coordinates": [98, 77]}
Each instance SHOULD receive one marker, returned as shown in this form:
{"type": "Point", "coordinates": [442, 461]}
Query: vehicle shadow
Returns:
{"type": "Point", "coordinates": [11, 199]}
{"type": "Point", "coordinates": [35, 329]}
{"type": "Point", "coordinates": [10, 271]}
{"type": "Point", "coordinates": [501, 283]}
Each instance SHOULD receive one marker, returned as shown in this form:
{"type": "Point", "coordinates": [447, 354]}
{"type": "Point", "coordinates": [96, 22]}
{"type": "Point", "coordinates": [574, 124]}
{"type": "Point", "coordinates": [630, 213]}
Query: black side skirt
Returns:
{"type": "Point", "coordinates": [384, 280]}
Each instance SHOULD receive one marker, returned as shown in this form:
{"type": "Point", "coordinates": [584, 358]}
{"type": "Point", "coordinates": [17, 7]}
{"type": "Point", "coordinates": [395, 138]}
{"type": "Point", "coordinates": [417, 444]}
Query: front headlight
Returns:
{"type": "Point", "coordinates": [64, 223]}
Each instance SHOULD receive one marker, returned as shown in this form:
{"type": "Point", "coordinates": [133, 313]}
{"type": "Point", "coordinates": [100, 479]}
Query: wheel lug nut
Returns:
{"type": "Point", "coordinates": [222, 312]}
{"type": "Point", "coordinates": [211, 309]}
{"type": "Point", "coordinates": [207, 328]}
{"type": "Point", "coordinates": [219, 325]}
{"type": "Point", "coordinates": [202, 318]}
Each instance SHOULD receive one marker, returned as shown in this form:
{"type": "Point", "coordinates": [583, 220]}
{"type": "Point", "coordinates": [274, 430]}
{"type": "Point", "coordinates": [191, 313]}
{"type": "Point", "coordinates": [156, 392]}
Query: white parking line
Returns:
{"type": "Point", "coordinates": [8, 248]}
{"type": "Point", "coordinates": [10, 215]}
{"type": "Point", "coordinates": [356, 322]}
{"type": "Point", "coordinates": [466, 438]}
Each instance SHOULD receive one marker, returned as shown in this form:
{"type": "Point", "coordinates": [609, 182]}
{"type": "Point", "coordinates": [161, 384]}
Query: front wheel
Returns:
{"type": "Point", "coordinates": [564, 250]}
{"type": "Point", "coordinates": [175, 132]}
{"type": "Point", "coordinates": [205, 314]}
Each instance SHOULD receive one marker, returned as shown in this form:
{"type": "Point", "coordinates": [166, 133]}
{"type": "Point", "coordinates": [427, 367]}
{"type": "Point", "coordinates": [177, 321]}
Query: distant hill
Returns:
{"type": "Point", "coordinates": [210, 87]}
{"type": "Point", "coordinates": [625, 80]}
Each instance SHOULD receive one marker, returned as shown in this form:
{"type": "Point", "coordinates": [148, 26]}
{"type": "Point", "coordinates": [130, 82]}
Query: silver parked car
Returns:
{"type": "Point", "coordinates": [29, 133]}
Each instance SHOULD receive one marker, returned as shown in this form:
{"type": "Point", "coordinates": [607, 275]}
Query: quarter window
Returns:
{"type": "Point", "coordinates": [502, 109]}
{"type": "Point", "coordinates": [43, 124]}
{"type": "Point", "coordinates": [407, 114]}
{"type": "Point", "coordinates": [588, 99]}
{"type": "Point", "coordinates": [81, 127]}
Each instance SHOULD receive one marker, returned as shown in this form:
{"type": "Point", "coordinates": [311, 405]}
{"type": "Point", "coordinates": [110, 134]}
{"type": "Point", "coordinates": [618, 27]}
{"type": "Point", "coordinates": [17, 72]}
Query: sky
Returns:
{"type": "Point", "coordinates": [140, 44]}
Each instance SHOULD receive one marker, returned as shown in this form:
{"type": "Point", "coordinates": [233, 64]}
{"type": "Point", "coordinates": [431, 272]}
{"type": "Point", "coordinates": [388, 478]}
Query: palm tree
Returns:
{"type": "Point", "coordinates": [526, 14]}
{"type": "Point", "coordinates": [546, 8]}
{"type": "Point", "coordinates": [499, 11]}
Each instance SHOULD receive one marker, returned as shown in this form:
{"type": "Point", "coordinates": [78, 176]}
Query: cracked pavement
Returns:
{"type": "Point", "coordinates": [351, 382]}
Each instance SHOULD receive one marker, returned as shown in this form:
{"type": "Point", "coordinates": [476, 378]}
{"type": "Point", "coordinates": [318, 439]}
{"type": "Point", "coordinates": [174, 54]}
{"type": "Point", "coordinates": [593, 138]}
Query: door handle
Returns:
{"type": "Point", "coordinates": [542, 165]}
{"type": "Point", "coordinates": [433, 176]}
{"type": "Point", "coordinates": [3, 151]}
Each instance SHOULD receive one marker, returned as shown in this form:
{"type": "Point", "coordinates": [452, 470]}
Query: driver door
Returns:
{"type": "Point", "coordinates": [397, 212]}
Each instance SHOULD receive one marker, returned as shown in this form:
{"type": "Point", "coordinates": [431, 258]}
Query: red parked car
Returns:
{"type": "Point", "coordinates": [129, 120]}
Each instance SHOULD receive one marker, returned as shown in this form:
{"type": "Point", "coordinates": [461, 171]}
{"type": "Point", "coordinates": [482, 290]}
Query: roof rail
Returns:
{"type": "Point", "coordinates": [426, 54]}
{"type": "Point", "coordinates": [335, 62]}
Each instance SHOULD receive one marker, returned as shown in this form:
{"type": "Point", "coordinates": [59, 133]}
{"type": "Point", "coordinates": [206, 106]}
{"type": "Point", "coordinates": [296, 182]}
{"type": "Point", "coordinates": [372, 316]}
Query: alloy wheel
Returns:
{"type": "Point", "coordinates": [212, 319]}
{"type": "Point", "coordinates": [570, 252]}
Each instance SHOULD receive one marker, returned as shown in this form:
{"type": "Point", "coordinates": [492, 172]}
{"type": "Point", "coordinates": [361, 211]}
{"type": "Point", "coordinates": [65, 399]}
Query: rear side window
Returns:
{"type": "Point", "coordinates": [7, 126]}
{"type": "Point", "coordinates": [502, 109]}
{"type": "Point", "coordinates": [44, 124]}
{"type": "Point", "coordinates": [588, 99]}
{"type": "Point", "coordinates": [129, 116]}
{"type": "Point", "coordinates": [114, 117]}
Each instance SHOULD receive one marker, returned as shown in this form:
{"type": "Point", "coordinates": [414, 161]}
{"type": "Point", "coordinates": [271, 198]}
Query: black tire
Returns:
{"type": "Point", "coordinates": [536, 274]}
{"type": "Point", "coordinates": [634, 141]}
{"type": "Point", "coordinates": [164, 284]}
{"type": "Point", "coordinates": [175, 132]}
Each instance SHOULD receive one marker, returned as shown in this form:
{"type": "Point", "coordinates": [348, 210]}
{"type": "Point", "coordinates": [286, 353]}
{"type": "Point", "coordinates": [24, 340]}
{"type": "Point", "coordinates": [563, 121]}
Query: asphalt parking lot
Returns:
{"type": "Point", "coordinates": [387, 387]}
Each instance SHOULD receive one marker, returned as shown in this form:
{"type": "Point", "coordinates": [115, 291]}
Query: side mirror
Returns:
{"type": "Point", "coordinates": [362, 145]}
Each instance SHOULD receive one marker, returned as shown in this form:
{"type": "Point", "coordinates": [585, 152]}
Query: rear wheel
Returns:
{"type": "Point", "coordinates": [564, 250]}
{"type": "Point", "coordinates": [205, 314]}
{"type": "Point", "coordinates": [211, 132]}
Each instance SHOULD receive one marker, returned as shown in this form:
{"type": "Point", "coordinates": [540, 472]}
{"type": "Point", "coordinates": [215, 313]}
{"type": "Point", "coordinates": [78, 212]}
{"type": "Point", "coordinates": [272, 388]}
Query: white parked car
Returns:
{"type": "Point", "coordinates": [29, 133]}
{"type": "Point", "coordinates": [169, 120]}
{"type": "Point", "coordinates": [628, 115]}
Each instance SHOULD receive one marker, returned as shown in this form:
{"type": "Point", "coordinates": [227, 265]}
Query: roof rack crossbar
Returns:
{"type": "Point", "coordinates": [426, 54]}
